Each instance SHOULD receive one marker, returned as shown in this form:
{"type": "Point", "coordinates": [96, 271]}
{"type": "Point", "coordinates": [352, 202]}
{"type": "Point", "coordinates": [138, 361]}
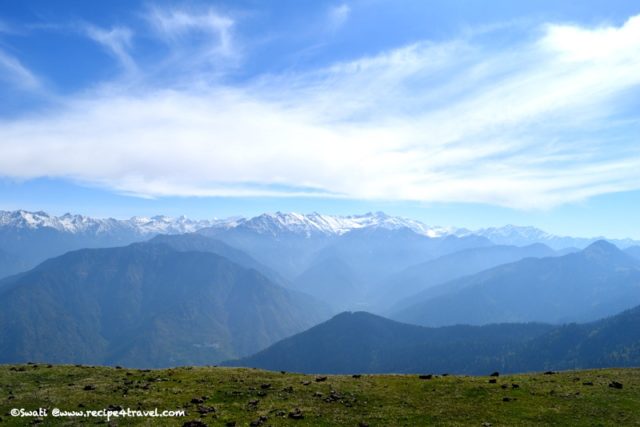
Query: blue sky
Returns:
{"type": "Point", "coordinates": [455, 112]}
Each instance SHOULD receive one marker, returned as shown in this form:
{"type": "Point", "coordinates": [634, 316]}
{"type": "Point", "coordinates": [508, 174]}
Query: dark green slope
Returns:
{"type": "Point", "coordinates": [145, 305]}
{"type": "Point", "coordinates": [362, 342]}
{"type": "Point", "coordinates": [366, 343]}
{"type": "Point", "coordinates": [594, 283]}
{"type": "Point", "coordinates": [614, 341]}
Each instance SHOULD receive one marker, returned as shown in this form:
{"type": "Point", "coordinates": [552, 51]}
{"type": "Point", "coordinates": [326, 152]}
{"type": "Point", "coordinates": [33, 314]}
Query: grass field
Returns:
{"type": "Point", "coordinates": [221, 396]}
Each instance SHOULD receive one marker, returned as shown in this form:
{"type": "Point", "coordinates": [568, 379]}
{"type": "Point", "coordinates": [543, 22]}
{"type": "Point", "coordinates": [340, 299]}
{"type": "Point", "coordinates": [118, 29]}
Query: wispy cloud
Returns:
{"type": "Point", "coordinates": [338, 15]}
{"type": "Point", "coordinates": [117, 41]}
{"type": "Point", "coordinates": [534, 125]}
{"type": "Point", "coordinates": [14, 72]}
{"type": "Point", "coordinates": [210, 31]}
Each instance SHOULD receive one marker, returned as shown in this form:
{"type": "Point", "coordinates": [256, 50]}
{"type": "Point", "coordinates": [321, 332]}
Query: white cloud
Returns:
{"type": "Point", "coordinates": [533, 126]}
{"type": "Point", "coordinates": [117, 41]}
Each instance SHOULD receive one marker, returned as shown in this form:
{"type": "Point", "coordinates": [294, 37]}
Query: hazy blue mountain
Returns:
{"type": "Point", "coordinates": [145, 305]}
{"type": "Point", "coordinates": [200, 243]}
{"type": "Point", "coordinates": [596, 282]}
{"type": "Point", "coordinates": [417, 278]}
{"type": "Point", "coordinates": [346, 272]}
{"type": "Point", "coordinates": [634, 251]}
{"type": "Point", "coordinates": [365, 343]}
{"type": "Point", "coordinates": [362, 342]}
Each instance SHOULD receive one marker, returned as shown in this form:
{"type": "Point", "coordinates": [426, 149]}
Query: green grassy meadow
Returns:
{"type": "Point", "coordinates": [217, 396]}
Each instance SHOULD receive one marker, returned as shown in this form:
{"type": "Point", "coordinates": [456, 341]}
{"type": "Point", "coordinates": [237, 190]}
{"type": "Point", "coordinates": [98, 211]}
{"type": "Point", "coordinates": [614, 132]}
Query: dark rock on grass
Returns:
{"type": "Point", "coordinates": [296, 414]}
{"type": "Point", "coordinates": [262, 393]}
{"type": "Point", "coordinates": [318, 394]}
{"type": "Point", "coordinates": [265, 386]}
{"type": "Point", "coordinates": [259, 421]}
{"type": "Point", "coordinates": [549, 373]}
{"type": "Point", "coordinates": [288, 389]}
{"type": "Point", "coordinates": [504, 386]}
{"type": "Point", "coordinates": [204, 410]}
{"type": "Point", "coordinates": [194, 423]}
{"type": "Point", "coordinates": [321, 379]}
{"type": "Point", "coordinates": [253, 403]}
{"type": "Point", "coordinates": [283, 372]}
{"type": "Point", "coordinates": [280, 413]}
{"type": "Point", "coordinates": [114, 408]}
{"type": "Point", "coordinates": [363, 424]}
{"type": "Point", "coordinates": [515, 386]}
{"type": "Point", "coordinates": [306, 382]}
{"type": "Point", "coordinates": [197, 400]}
{"type": "Point", "coordinates": [425, 377]}
{"type": "Point", "coordinates": [356, 376]}
{"type": "Point", "coordinates": [89, 387]}
{"type": "Point", "coordinates": [445, 375]}
{"type": "Point", "coordinates": [508, 399]}
{"type": "Point", "coordinates": [587, 383]}
{"type": "Point", "coordinates": [495, 374]}
{"type": "Point", "coordinates": [230, 424]}
{"type": "Point", "coordinates": [615, 384]}
{"type": "Point", "coordinates": [493, 381]}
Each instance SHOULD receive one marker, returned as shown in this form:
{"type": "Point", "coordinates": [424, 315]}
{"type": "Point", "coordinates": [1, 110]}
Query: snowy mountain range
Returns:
{"type": "Point", "coordinates": [285, 223]}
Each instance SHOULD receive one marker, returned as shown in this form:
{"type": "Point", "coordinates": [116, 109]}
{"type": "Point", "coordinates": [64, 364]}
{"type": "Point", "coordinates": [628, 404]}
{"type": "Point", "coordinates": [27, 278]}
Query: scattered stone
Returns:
{"type": "Point", "coordinates": [49, 366]}
{"type": "Point", "coordinates": [507, 399]}
{"type": "Point", "coordinates": [356, 376]}
{"type": "Point", "coordinates": [283, 372]}
{"type": "Point", "coordinates": [317, 394]}
{"type": "Point", "coordinates": [615, 384]}
{"type": "Point", "coordinates": [262, 393]}
{"type": "Point", "coordinates": [253, 403]}
{"type": "Point", "coordinates": [258, 422]}
{"type": "Point", "coordinates": [230, 424]}
{"type": "Point", "coordinates": [197, 400]}
{"type": "Point", "coordinates": [515, 385]}
{"type": "Point", "coordinates": [281, 413]}
{"type": "Point", "coordinates": [445, 375]}
{"type": "Point", "coordinates": [493, 381]}
{"type": "Point", "coordinates": [363, 424]}
{"type": "Point", "coordinates": [194, 423]}
{"type": "Point", "coordinates": [587, 383]}
{"type": "Point", "coordinates": [114, 408]}
{"type": "Point", "coordinates": [118, 367]}
{"type": "Point", "coordinates": [204, 410]}
{"type": "Point", "coordinates": [486, 424]}
{"type": "Point", "coordinates": [288, 389]}
{"type": "Point", "coordinates": [296, 414]}
{"type": "Point", "coordinates": [321, 379]}
{"type": "Point", "coordinates": [81, 405]}
{"type": "Point", "coordinates": [495, 374]}
{"type": "Point", "coordinates": [549, 373]}
{"type": "Point", "coordinates": [306, 382]}
{"type": "Point", "coordinates": [265, 386]}
{"type": "Point", "coordinates": [425, 377]}
{"type": "Point", "coordinates": [503, 386]}
{"type": "Point", "coordinates": [89, 387]}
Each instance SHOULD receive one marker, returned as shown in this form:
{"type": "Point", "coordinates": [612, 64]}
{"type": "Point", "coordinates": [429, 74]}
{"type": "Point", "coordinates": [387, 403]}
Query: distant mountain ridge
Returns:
{"type": "Point", "coordinates": [361, 342]}
{"type": "Point", "coordinates": [146, 305]}
{"type": "Point", "coordinates": [596, 282]}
